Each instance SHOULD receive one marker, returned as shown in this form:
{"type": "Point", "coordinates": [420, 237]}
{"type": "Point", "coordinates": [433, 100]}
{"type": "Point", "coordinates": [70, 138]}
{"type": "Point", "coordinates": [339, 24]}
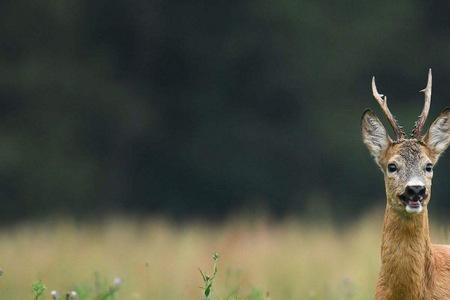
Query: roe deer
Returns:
{"type": "Point", "coordinates": [411, 266]}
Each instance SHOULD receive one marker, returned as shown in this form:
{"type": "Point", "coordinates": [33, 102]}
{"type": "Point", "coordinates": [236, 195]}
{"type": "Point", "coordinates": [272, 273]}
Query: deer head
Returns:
{"type": "Point", "coordinates": [407, 163]}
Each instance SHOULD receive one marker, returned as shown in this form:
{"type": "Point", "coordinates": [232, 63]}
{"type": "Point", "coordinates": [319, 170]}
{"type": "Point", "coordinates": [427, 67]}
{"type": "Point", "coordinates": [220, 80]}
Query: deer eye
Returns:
{"type": "Point", "coordinates": [429, 167]}
{"type": "Point", "coordinates": [392, 168]}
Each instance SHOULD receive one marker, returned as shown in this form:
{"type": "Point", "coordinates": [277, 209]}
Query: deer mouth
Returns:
{"type": "Point", "coordinates": [413, 204]}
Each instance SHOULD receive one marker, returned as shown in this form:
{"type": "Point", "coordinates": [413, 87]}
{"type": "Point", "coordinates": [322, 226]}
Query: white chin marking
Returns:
{"type": "Point", "coordinates": [414, 210]}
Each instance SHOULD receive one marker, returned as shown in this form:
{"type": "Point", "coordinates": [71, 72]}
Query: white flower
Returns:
{"type": "Point", "coordinates": [55, 295]}
{"type": "Point", "coordinates": [117, 282]}
{"type": "Point", "coordinates": [71, 295]}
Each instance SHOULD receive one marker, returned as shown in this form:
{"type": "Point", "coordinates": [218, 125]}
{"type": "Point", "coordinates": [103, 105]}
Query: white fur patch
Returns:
{"type": "Point", "coordinates": [374, 135]}
{"type": "Point", "coordinates": [414, 210]}
{"type": "Point", "coordinates": [415, 181]}
{"type": "Point", "coordinates": [438, 137]}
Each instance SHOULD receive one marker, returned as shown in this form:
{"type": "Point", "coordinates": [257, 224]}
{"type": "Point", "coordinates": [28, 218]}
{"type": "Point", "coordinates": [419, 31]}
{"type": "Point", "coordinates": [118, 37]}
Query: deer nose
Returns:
{"type": "Point", "coordinates": [415, 190]}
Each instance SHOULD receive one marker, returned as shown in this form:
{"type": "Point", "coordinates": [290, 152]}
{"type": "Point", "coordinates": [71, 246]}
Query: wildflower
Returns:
{"type": "Point", "coordinates": [54, 294]}
{"type": "Point", "coordinates": [117, 282]}
{"type": "Point", "coordinates": [71, 295]}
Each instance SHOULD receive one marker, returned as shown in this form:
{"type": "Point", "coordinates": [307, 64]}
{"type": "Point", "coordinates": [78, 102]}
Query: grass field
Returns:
{"type": "Point", "coordinates": [158, 260]}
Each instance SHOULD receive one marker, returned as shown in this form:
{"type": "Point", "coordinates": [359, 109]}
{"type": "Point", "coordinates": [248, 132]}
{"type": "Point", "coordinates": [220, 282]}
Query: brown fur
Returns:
{"type": "Point", "coordinates": [412, 267]}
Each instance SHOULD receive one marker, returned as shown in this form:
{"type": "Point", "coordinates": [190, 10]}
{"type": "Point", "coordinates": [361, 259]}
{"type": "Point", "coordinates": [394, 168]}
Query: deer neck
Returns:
{"type": "Point", "coordinates": [406, 255]}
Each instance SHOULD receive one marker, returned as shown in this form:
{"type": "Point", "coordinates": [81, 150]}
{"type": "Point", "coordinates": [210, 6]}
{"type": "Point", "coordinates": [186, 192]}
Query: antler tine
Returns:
{"type": "Point", "coordinates": [398, 130]}
{"type": "Point", "coordinates": [418, 126]}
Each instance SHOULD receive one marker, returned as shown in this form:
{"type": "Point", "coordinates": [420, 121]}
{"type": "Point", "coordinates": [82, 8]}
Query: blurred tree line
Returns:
{"type": "Point", "coordinates": [197, 108]}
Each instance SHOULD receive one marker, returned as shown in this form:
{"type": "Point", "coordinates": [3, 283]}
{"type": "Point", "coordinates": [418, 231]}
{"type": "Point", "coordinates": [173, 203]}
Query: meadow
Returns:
{"type": "Point", "coordinates": [157, 259]}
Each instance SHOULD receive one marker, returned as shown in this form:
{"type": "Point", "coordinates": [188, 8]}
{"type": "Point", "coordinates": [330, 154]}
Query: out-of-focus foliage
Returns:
{"type": "Point", "coordinates": [203, 108]}
{"type": "Point", "coordinates": [158, 260]}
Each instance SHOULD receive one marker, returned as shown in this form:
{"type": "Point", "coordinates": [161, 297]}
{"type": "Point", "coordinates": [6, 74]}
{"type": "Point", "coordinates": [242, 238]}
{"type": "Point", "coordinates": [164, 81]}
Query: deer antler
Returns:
{"type": "Point", "coordinates": [418, 126]}
{"type": "Point", "coordinates": [398, 130]}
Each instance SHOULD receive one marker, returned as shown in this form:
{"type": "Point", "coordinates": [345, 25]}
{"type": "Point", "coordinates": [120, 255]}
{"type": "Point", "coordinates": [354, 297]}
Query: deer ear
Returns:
{"type": "Point", "coordinates": [374, 135]}
{"type": "Point", "coordinates": [438, 136]}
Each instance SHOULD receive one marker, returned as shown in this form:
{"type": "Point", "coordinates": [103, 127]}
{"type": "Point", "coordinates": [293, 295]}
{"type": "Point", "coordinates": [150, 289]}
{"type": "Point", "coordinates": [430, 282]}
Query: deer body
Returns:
{"type": "Point", "coordinates": [411, 266]}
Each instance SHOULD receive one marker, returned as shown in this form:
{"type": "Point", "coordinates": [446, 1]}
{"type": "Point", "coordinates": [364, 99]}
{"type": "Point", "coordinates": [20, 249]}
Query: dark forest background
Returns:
{"type": "Point", "coordinates": [208, 108]}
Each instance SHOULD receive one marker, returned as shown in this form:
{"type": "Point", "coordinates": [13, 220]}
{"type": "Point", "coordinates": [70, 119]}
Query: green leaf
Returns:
{"type": "Point", "coordinates": [38, 289]}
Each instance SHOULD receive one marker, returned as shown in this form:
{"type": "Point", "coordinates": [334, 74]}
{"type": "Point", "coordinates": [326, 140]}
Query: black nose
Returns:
{"type": "Point", "coordinates": [415, 190]}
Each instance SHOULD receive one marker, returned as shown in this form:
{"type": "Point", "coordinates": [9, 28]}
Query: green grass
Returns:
{"type": "Point", "coordinates": [98, 291]}
{"type": "Point", "coordinates": [233, 294]}
{"type": "Point", "coordinates": [259, 260]}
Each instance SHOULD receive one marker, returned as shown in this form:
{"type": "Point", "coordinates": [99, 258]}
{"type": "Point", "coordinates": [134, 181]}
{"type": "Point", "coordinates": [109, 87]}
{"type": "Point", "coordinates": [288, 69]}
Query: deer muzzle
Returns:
{"type": "Point", "coordinates": [413, 197]}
